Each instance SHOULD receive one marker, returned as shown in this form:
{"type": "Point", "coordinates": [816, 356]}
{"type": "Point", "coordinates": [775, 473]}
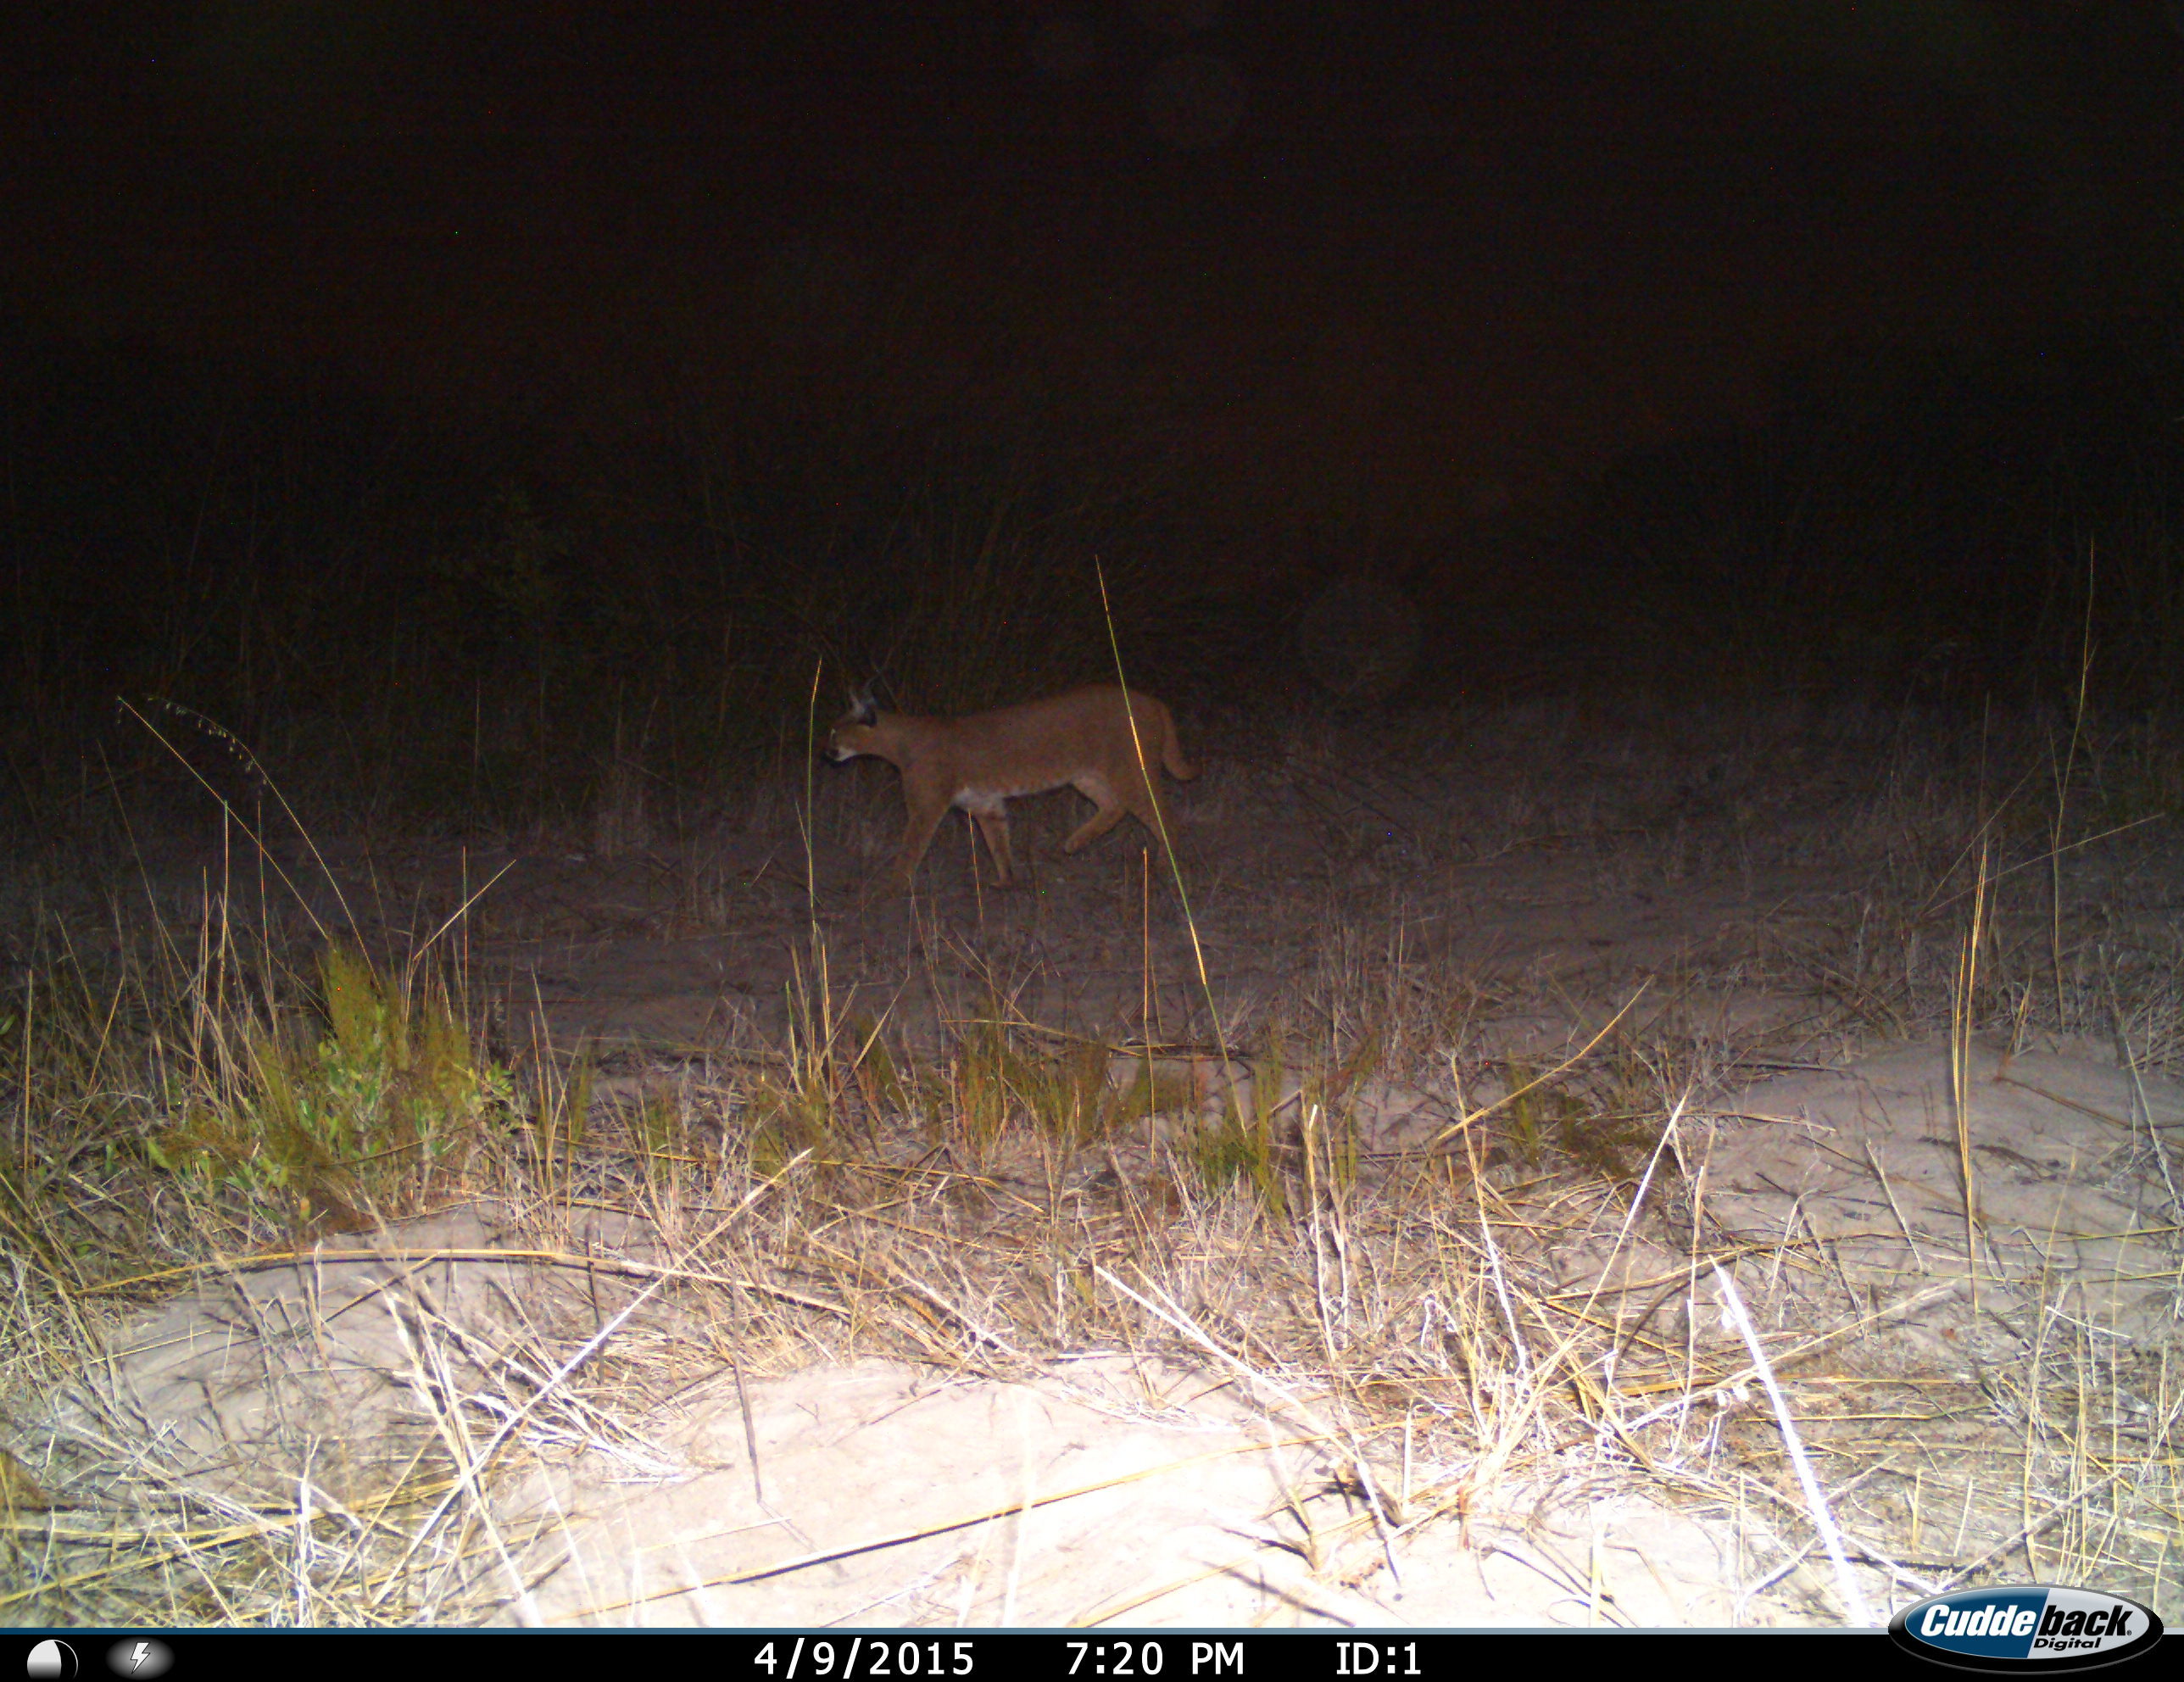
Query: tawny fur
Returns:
{"type": "Point", "coordinates": [1081, 740]}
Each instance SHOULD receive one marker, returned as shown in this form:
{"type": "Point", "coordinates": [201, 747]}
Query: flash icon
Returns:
{"type": "Point", "coordinates": [139, 1659]}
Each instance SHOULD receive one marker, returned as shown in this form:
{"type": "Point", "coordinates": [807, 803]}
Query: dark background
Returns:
{"type": "Point", "coordinates": [441, 398]}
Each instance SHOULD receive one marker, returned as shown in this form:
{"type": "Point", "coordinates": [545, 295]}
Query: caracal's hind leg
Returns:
{"type": "Point", "coordinates": [994, 825]}
{"type": "Point", "coordinates": [1154, 811]}
{"type": "Point", "coordinates": [1149, 806]}
{"type": "Point", "coordinates": [1101, 793]}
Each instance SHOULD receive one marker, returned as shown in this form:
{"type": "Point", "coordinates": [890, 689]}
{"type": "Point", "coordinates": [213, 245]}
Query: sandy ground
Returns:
{"type": "Point", "coordinates": [1763, 906]}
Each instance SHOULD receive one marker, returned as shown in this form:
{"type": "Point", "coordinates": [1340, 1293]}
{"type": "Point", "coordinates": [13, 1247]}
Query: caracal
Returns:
{"type": "Point", "coordinates": [1082, 740]}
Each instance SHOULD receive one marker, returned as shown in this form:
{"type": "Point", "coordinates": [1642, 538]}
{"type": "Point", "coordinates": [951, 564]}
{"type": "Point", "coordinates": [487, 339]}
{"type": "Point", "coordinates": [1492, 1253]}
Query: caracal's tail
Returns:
{"type": "Point", "coordinates": [1171, 753]}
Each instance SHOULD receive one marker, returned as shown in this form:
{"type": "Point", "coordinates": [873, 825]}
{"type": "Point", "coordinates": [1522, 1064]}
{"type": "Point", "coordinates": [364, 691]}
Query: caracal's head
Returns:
{"type": "Point", "coordinates": [852, 733]}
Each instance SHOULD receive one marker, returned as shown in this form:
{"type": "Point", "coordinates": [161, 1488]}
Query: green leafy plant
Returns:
{"type": "Point", "coordinates": [388, 1097]}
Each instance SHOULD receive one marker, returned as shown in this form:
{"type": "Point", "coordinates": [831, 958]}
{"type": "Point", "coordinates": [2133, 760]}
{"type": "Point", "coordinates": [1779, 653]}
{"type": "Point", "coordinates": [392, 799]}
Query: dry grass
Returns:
{"type": "Point", "coordinates": [1524, 1298]}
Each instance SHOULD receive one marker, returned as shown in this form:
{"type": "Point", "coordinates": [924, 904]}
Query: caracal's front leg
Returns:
{"type": "Point", "coordinates": [925, 817]}
{"type": "Point", "coordinates": [994, 826]}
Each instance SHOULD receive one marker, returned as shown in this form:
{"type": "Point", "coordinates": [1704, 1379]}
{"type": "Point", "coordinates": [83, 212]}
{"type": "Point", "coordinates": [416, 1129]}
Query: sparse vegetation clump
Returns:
{"type": "Point", "coordinates": [379, 1103]}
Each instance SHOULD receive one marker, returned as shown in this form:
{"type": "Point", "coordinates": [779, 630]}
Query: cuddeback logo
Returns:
{"type": "Point", "coordinates": [2033, 1628]}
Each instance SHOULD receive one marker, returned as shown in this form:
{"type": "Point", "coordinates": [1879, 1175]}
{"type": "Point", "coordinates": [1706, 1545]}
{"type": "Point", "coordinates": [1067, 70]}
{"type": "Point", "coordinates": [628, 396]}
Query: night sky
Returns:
{"type": "Point", "coordinates": [1454, 258]}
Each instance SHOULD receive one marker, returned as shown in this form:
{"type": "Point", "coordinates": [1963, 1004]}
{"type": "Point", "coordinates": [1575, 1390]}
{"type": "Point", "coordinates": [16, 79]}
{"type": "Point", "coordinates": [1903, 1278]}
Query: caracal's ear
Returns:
{"type": "Point", "coordinates": [863, 709]}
